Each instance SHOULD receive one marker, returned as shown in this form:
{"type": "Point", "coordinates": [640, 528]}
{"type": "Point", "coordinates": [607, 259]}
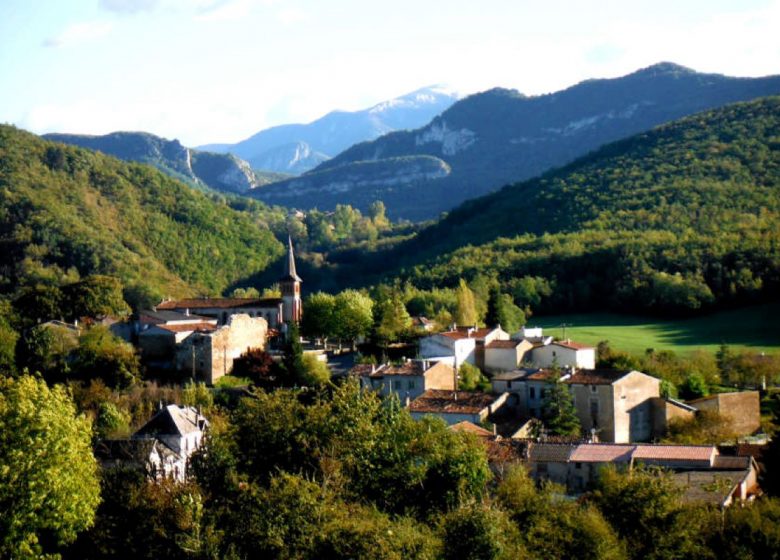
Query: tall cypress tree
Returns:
{"type": "Point", "coordinates": [558, 412]}
{"type": "Point", "coordinates": [292, 358]}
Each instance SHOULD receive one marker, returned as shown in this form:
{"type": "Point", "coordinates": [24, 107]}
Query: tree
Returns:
{"type": "Point", "coordinates": [694, 387]}
{"type": "Point", "coordinates": [258, 366]}
{"type": "Point", "coordinates": [471, 378]}
{"type": "Point", "coordinates": [558, 411]}
{"type": "Point", "coordinates": [295, 372]}
{"type": "Point", "coordinates": [480, 532]}
{"type": "Point", "coordinates": [49, 486]}
{"type": "Point", "coordinates": [320, 317]}
{"type": "Point", "coordinates": [46, 349]}
{"type": "Point", "coordinates": [96, 296]}
{"type": "Point", "coordinates": [393, 319]}
{"type": "Point", "coordinates": [317, 372]}
{"type": "Point", "coordinates": [466, 309]}
{"type": "Point", "coordinates": [35, 304]}
{"type": "Point", "coordinates": [102, 355]}
{"type": "Point", "coordinates": [353, 314]}
{"type": "Point", "coordinates": [501, 310]}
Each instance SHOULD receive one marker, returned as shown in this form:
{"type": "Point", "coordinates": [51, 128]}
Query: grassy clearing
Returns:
{"type": "Point", "coordinates": [755, 328]}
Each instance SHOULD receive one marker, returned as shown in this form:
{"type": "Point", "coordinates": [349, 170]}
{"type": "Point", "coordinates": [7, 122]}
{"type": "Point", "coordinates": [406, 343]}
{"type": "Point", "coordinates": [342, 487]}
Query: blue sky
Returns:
{"type": "Point", "coordinates": [220, 70]}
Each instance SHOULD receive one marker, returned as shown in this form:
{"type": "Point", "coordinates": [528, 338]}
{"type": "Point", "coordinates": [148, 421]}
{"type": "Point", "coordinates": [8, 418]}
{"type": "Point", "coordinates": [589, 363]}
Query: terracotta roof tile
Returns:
{"type": "Point", "coordinates": [472, 428]}
{"type": "Point", "coordinates": [573, 345]}
{"type": "Point", "coordinates": [675, 452]}
{"type": "Point", "coordinates": [218, 303]}
{"type": "Point", "coordinates": [601, 453]}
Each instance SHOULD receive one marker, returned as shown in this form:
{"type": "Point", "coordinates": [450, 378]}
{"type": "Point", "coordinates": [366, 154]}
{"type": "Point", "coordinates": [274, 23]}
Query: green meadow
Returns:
{"type": "Point", "coordinates": [754, 328]}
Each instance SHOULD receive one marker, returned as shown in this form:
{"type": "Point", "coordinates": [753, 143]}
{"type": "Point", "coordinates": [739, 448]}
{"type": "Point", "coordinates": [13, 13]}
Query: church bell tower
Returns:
{"type": "Point", "coordinates": [290, 284]}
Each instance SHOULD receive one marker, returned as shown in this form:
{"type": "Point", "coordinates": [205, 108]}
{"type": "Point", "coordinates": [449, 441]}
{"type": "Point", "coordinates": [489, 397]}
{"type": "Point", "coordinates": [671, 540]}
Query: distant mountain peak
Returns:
{"type": "Point", "coordinates": [661, 68]}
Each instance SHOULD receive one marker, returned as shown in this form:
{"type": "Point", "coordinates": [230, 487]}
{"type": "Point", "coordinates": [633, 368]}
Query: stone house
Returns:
{"type": "Point", "coordinates": [564, 354]}
{"type": "Point", "coordinates": [161, 448]}
{"type": "Point", "coordinates": [221, 309]}
{"type": "Point", "coordinates": [408, 380]}
{"type": "Point", "coordinates": [158, 342]}
{"type": "Point", "coordinates": [208, 355]}
{"type": "Point", "coordinates": [506, 355]}
{"type": "Point", "coordinates": [742, 408]}
{"type": "Point", "coordinates": [615, 406]}
{"type": "Point", "coordinates": [456, 406]}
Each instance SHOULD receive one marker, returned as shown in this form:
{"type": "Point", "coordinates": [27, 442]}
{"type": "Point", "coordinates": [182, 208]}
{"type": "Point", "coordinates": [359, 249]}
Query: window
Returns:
{"type": "Point", "coordinates": [532, 393]}
{"type": "Point", "coordinates": [541, 469]}
{"type": "Point", "coordinates": [577, 465]}
{"type": "Point", "coordinates": [410, 384]}
{"type": "Point", "coordinates": [543, 393]}
{"type": "Point", "coordinates": [396, 384]}
{"type": "Point", "coordinates": [508, 384]}
{"type": "Point", "coordinates": [593, 388]}
{"type": "Point", "coordinates": [594, 411]}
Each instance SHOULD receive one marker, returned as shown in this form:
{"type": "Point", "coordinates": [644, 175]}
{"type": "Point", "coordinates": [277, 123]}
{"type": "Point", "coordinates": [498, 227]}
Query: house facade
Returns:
{"type": "Point", "coordinates": [564, 354]}
{"type": "Point", "coordinates": [506, 355]}
{"type": "Point", "coordinates": [408, 380]}
{"type": "Point", "coordinates": [209, 355]}
{"type": "Point", "coordinates": [461, 345]}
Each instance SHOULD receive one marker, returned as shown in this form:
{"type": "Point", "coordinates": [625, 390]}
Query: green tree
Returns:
{"type": "Point", "coordinates": [320, 317]}
{"type": "Point", "coordinates": [295, 371]}
{"type": "Point", "coordinates": [102, 355]}
{"type": "Point", "coordinates": [48, 476]}
{"type": "Point", "coordinates": [558, 412]}
{"type": "Point", "coordinates": [471, 378]}
{"type": "Point", "coordinates": [479, 532]}
{"type": "Point", "coordinates": [35, 304]}
{"type": "Point", "coordinates": [46, 349]}
{"type": "Point", "coordinates": [260, 368]}
{"type": "Point", "coordinates": [466, 309]}
{"type": "Point", "coordinates": [501, 310]}
{"type": "Point", "coordinates": [694, 387]}
{"type": "Point", "coordinates": [393, 320]}
{"type": "Point", "coordinates": [317, 372]}
{"type": "Point", "coordinates": [97, 297]}
{"type": "Point", "coordinates": [353, 314]}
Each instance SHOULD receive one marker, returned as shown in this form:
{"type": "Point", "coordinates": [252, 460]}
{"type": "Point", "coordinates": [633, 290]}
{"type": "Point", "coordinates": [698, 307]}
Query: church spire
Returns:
{"type": "Point", "coordinates": [289, 264]}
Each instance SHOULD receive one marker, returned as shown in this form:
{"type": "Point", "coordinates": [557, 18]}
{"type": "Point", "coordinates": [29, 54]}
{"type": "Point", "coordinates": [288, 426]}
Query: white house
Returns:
{"type": "Point", "coordinates": [506, 355]}
{"type": "Point", "coordinates": [564, 353]}
{"type": "Point", "coordinates": [462, 344]}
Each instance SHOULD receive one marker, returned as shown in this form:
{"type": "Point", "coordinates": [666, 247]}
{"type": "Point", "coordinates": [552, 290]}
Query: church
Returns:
{"type": "Point", "coordinates": [278, 312]}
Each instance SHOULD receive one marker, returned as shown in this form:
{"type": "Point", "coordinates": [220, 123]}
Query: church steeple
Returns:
{"type": "Point", "coordinates": [290, 284]}
{"type": "Point", "coordinates": [289, 264]}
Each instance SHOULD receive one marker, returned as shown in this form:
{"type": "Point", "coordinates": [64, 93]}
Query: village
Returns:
{"type": "Point", "coordinates": [620, 415]}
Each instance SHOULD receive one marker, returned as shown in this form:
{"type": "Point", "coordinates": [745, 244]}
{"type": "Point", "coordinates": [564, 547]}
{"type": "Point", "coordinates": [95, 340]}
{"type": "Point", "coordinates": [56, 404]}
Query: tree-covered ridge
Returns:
{"type": "Point", "coordinates": [671, 220]}
{"type": "Point", "coordinates": [67, 212]}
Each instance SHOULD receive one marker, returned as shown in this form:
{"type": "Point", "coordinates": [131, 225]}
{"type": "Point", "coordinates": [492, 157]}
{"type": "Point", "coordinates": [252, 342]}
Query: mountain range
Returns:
{"type": "Point", "coordinates": [221, 172]}
{"type": "Point", "coordinates": [500, 136]}
{"type": "Point", "coordinates": [296, 148]}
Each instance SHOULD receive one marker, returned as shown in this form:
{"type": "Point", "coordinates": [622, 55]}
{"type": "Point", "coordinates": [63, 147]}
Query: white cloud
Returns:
{"type": "Point", "coordinates": [129, 6]}
{"type": "Point", "coordinates": [79, 33]}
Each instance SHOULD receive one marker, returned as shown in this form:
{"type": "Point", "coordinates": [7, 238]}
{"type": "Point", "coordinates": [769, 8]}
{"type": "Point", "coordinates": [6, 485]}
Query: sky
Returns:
{"type": "Point", "coordinates": [206, 71]}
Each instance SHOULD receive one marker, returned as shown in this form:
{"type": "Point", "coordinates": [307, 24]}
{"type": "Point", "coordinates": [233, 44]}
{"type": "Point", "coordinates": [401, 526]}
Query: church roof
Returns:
{"type": "Point", "coordinates": [289, 264]}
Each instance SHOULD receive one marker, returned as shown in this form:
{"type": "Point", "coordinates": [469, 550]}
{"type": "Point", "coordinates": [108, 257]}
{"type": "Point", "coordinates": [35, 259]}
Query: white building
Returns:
{"type": "Point", "coordinates": [564, 354]}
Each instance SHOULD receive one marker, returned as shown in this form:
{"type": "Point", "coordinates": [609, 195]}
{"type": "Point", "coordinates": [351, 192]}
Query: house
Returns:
{"type": "Point", "coordinates": [703, 473]}
{"type": "Point", "coordinates": [422, 324]}
{"type": "Point", "coordinates": [407, 380]}
{"type": "Point", "coordinates": [276, 311]}
{"type": "Point", "coordinates": [460, 345]}
{"type": "Point", "coordinates": [161, 447]}
{"type": "Point", "coordinates": [158, 342]}
{"type": "Point", "coordinates": [742, 408]}
{"type": "Point", "coordinates": [614, 405]}
{"type": "Point", "coordinates": [534, 335]}
{"type": "Point", "coordinates": [456, 406]}
{"type": "Point", "coordinates": [208, 354]}
{"type": "Point", "coordinates": [527, 388]}
{"type": "Point", "coordinates": [506, 355]}
{"type": "Point", "coordinates": [564, 354]}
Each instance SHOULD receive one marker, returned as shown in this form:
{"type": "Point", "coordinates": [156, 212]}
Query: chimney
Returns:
{"type": "Point", "coordinates": [187, 312]}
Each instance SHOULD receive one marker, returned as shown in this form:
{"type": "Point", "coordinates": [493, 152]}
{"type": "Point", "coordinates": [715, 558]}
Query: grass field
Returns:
{"type": "Point", "coordinates": [754, 328]}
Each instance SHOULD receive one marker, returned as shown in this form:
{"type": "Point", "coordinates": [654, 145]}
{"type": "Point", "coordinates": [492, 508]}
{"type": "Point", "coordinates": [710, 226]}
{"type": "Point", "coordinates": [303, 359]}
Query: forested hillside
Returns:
{"type": "Point", "coordinates": [498, 137]}
{"type": "Point", "coordinates": [68, 212]}
{"type": "Point", "coordinates": [673, 220]}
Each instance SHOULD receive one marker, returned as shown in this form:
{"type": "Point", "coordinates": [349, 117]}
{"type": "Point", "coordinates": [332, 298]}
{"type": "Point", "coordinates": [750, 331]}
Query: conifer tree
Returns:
{"type": "Point", "coordinates": [558, 412]}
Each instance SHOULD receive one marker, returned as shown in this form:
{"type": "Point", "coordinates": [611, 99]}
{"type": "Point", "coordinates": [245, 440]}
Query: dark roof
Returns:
{"type": "Point", "coordinates": [218, 303]}
{"type": "Point", "coordinates": [597, 376]}
{"type": "Point", "coordinates": [172, 420]}
{"type": "Point", "coordinates": [710, 486]}
{"type": "Point", "coordinates": [452, 402]}
{"type": "Point", "coordinates": [289, 264]}
{"type": "Point", "coordinates": [550, 452]}
{"type": "Point", "coordinates": [541, 375]}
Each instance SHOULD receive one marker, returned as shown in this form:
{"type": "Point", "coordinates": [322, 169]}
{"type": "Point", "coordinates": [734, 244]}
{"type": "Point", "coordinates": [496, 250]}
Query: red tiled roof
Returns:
{"type": "Point", "coordinates": [472, 428]}
{"type": "Point", "coordinates": [445, 402]}
{"type": "Point", "coordinates": [596, 376]}
{"type": "Point", "coordinates": [572, 345]}
{"type": "Point", "coordinates": [601, 453]}
{"type": "Point", "coordinates": [504, 344]}
{"type": "Point", "coordinates": [675, 452]}
{"type": "Point", "coordinates": [363, 369]}
{"type": "Point", "coordinates": [189, 327]}
{"type": "Point", "coordinates": [218, 303]}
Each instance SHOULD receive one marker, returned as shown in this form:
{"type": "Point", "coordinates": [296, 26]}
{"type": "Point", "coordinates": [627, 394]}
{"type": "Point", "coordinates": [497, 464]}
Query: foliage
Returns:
{"type": "Point", "coordinates": [705, 427]}
{"type": "Point", "coordinates": [471, 378]}
{"type": "Point", "coordinates": [96, 297]}
{"type": "Point", "coordinates": [317, 372]}
{"type": "Point", "coordinates": [258, 366]}
{"type": "Point", "coordinates": [195, 393]}
{"type": "Point", "coordinates": [111, 421]}
{"type": "Point", "coordinates": [320, 317]}
{"type": "Point", "coordinates": [49, 485]}
{"type": "Point", "coordinates": [295, 370]}
{"type": "Point", "coordinates": [392, 319]}
{"type": "Point", "coordinates": [466, 310]}
{"type": "Point", "coordinates": [477, 531]}
{"type": "Point", "coordinates": [47, 349]}
{"type": "Point", "coordinates": [501, 310]}
{"type": "Point", "coordinates": [694, 387]}
{"type": "Point", "coordinates": [353, 312]}
{"type": "Point", "coordinates": [102, 355]}
{"type": "Point", "coordinates": [68, 212]}
{"type": "Point", "coordinates": [558, 412]}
